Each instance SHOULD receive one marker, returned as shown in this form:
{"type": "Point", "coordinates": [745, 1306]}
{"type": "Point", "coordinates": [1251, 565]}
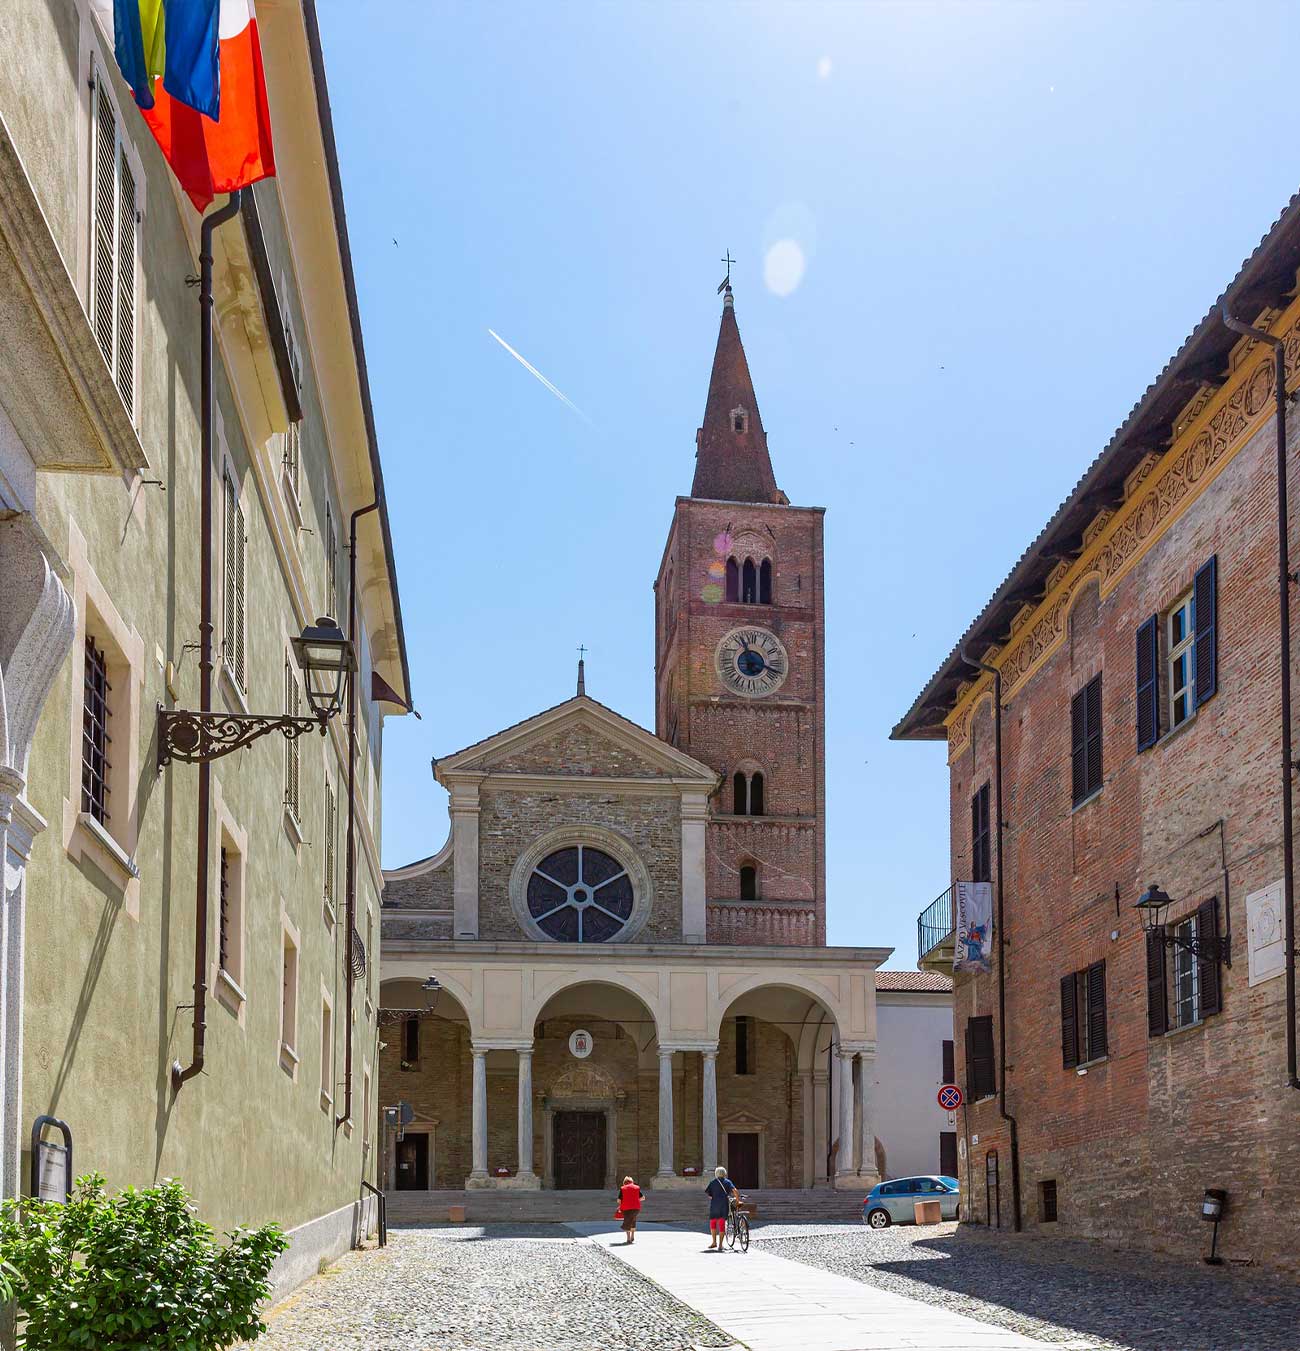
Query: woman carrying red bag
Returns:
{"type": "Point", "coordinates": [630, 1197]}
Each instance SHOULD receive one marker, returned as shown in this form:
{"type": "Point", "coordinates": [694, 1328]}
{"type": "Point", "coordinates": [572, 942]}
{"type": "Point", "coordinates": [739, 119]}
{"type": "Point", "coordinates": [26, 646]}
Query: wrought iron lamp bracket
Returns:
{"type": "Point", "coordinates": [1205, 950]}
{"type": "Point", "coordinates": [196, 737]}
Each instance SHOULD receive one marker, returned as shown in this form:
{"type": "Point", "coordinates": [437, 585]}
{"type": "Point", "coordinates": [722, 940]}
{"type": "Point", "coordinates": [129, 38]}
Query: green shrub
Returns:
{"type": "Point", "coordinates": [136, 1271]}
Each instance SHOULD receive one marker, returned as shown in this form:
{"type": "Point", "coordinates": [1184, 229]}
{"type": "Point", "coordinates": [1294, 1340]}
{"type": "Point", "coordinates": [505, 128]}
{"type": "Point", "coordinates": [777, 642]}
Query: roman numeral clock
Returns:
{"type": "Point", "coordinates": [751, 662]}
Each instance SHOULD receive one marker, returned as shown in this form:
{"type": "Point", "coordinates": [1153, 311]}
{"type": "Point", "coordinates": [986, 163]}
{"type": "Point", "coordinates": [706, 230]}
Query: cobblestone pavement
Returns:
{"type": "Point", "coordinates": [495, 1287]}
{"type": "Point", "coordinates": [1074, 1294]}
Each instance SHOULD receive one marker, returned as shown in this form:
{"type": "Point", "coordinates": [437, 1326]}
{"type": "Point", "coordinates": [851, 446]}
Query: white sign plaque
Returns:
{"type": "Point", "coordinates": [1266, 939]}
{"type": "Point", "coordinates": [580, 1044]}
{"type": "Point", "coordinates": [53, 1172]}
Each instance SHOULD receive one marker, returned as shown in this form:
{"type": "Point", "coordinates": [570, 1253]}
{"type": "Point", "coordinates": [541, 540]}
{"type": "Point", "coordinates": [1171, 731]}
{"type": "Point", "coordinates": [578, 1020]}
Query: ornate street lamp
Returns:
{"type": "Point", "coordinates": [326, 658]}
{"type": "Point", "coordinates": [1153, 905]}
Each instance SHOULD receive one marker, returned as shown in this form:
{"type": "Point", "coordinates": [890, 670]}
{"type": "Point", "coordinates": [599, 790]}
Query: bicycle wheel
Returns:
{"type": "Point", "coordinates": [732, 1227]}
{"type": "Point", "coordinates": [742, 1232]}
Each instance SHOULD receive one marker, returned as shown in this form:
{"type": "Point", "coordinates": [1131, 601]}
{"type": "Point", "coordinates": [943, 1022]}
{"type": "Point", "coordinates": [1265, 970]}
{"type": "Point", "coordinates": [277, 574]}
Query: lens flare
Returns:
{"type": "Point", "coordinates": [783, 267]}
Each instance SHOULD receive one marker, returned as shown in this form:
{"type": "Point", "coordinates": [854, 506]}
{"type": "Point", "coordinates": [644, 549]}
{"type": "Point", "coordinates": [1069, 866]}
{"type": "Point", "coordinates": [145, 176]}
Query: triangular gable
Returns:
{"type": "Point", "coordinates": [585, 738]}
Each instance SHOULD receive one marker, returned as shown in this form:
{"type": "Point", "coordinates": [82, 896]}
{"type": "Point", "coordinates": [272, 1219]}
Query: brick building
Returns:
{"type": "Point", "coordinates": [628, 930]}
{"type": "Point", "coordinates": [1137, 648]}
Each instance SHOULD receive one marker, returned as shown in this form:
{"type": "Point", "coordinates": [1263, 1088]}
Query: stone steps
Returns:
{"type": "Point", "coordinates": [488, 1206]}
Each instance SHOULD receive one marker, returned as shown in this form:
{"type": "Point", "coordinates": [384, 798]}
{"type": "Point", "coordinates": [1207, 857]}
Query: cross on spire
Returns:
{"type": "Point", "coordinates": [725, 283]}
{"type": "Point", "coordinates": [582, 676]}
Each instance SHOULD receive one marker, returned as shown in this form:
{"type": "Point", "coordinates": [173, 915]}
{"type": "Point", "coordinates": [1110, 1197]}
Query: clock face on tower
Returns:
{"type": "Point", "coordinates": [752, 662]}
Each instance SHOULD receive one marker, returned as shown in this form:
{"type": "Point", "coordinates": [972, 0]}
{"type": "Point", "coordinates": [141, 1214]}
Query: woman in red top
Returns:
{"type": "Point", "coordinates": [629, 1204]}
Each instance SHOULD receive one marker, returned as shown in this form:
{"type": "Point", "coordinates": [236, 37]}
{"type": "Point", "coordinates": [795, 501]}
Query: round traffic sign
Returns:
{"type": "Point", "coordinates": [950, 1097]}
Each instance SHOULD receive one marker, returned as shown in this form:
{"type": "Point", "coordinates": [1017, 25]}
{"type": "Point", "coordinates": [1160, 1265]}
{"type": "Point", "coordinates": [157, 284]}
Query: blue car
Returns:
{"type": "Point", "coordinates": [892, 1202]}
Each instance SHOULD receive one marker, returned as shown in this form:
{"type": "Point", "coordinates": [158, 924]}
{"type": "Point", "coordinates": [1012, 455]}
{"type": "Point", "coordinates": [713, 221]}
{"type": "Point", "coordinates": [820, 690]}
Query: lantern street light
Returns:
{"type": "Point", "coordinates": [326, 658]}
{"type": "Point", "coordinates": [432, 988]}
{"type": "Point", "coordinates": [1153, 905]}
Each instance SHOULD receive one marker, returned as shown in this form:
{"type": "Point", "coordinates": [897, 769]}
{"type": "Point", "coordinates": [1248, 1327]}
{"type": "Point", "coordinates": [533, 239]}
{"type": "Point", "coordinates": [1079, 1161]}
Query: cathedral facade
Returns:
{"type": "Point", "coordinates": [616, 963]}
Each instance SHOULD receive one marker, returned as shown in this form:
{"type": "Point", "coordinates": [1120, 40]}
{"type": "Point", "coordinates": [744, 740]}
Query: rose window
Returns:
{"type": "Point", "coordinates": [580, 895]}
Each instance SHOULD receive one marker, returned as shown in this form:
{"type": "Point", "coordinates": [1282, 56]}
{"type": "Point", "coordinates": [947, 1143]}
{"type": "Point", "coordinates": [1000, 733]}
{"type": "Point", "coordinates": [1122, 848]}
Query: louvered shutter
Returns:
{"type": "Point", "coordinates": [1096, 1006]}
{"type": "Point", "coordinates": [230, 594]}
{"type": "Point", "coordinates": [1078, 748]}
{"type": "Point", "coordinates": [1157, 1008]}
{"type": "Point", "coordinates": [330, 831]}
{"type": "Point", "coordinates": [124, 364]}
{"type": "Point", "coordinates": [980, 1078]}
{"type": "Point", "coordinates": [241, 598]}
{"type": "Point", "coordinates": [1206, 600]}
{"type": "Point", "coordinates": [103, 244]}
{"type": "Point", "coordinates": [970, 1061]}
{"type": "Point", "coordinates": [1069, 1021]}
{"type": "Point", "coordinates": [949, 1065]}
{"type": "Point", "coordinates": [1148, 683]}
{"type": "Point", "coordinates": [1208, 982]}
{"type": "Point", "coordinates": [291, 753]}
{"type": "Point", "coordinates": [1093, 704]}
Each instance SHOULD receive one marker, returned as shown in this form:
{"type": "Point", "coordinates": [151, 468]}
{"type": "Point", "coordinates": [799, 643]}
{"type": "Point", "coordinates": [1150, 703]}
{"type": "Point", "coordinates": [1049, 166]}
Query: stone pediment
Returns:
{"type": "Point", "coordinates": [578, 739]}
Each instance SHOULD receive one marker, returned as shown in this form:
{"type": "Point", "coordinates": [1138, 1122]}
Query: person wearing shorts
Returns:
{"type": "Point", "coordinates": [720, 1191]}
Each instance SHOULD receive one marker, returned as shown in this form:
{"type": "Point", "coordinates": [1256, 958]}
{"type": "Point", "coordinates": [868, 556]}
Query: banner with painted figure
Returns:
{"type": "Point", "coordinates": [974, 950]}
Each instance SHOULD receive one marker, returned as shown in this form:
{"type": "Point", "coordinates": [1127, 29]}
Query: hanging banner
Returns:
{"type": "Point", "coordinates": [974, 949]}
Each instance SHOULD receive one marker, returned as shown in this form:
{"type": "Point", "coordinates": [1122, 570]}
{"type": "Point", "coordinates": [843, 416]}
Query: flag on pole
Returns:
{"type": "Point", "coordinates": [206, 107]}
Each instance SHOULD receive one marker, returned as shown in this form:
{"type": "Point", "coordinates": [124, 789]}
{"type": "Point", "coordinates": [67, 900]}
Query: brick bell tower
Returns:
{"type": "Point", "coordinates": [739, 667]}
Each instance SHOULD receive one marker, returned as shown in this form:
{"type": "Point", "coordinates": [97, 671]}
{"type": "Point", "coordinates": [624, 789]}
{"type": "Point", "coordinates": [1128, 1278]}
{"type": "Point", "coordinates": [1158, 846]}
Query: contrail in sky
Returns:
{"type": "Point", "coordinates": [532, 370]}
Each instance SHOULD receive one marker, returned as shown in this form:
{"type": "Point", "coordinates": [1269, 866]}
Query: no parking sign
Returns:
{"type": "Point", "coordinates": [950, 1097]}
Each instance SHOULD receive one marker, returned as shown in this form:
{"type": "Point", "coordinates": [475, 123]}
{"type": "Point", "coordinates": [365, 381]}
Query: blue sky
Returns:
{"type": "Point", "coordinates": [1009, 216]}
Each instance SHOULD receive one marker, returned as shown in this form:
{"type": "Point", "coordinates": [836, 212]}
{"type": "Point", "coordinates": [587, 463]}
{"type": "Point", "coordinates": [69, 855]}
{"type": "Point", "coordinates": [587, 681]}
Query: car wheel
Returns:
{"type": "Point", "coordinates": [878, 1219]}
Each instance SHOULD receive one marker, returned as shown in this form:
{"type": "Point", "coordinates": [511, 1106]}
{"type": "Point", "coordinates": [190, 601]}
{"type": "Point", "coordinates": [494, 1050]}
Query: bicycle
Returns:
{"type": "Point", "coordinates": [737, 1223]}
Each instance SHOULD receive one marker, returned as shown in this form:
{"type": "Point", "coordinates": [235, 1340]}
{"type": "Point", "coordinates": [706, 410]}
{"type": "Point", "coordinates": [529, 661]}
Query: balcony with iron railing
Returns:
{"type": "Point", "coordinates": [936, 932]}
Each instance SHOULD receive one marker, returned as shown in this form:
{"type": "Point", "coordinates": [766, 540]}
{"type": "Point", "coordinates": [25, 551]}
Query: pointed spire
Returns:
{"type": "Point", "coordinates": [582, 670]}
{"type": "Point", "coordinates": [731, 460]}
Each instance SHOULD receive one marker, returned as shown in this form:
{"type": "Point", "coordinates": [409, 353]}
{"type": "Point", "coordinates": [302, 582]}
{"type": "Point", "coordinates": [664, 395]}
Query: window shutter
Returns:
{"type": "Point", "coordinates": [1079, 747]}
{"type": "Point", "coordinates": [124, 363]}
{"type": "Point", "coordinates": [292, 702]}
{"type": "Point", "coordinates": [230, 599]}
{"type": "Point", "coordinates": [1148, 683]}
{"type": "Point", "coordinates": [1096, 1002]}
{"type": "Point", "coordinates": [1093, 702]}
{"type": "Point", "coordinates": [980, 1078]}
{"type": "Point", "coordinates": [1069, 1021]}
{"type": "Point", "coordinates": [949, 1065]}
{"type": "Point", "coordinates": [330, 831]}
{"type": "Point", "coordinates": [104, 207]}
{"type": "Point", "coordinates": [1207, 932]}
{"type": "Point", "coordinates": [1157, 1010]}
{"type": "Point", "coordinates": [1205, 598]}
{"type": "Point", "coordinates": [970, 1060]}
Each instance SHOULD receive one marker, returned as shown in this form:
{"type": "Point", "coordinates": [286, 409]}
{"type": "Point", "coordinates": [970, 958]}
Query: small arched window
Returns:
{"type": "Point", "coordinates": [749, 883]}
{"type": "Point", "coordinates": [749, 583]}
{"type": "Point", "coordinates": [733, 580]}
{"type": "Point", "coordinates": [740, 795]}
{"type": "Point", "coordinates": [756, 794]}
{"type": "Point", "coordinates": [765, 582]}
{"type": "Point", "coordinates": [739, 420]}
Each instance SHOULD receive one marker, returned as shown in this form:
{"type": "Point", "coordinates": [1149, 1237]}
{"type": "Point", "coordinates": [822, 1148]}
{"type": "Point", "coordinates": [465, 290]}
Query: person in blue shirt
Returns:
{"type": "Point", "coordinates": [720, 1191]}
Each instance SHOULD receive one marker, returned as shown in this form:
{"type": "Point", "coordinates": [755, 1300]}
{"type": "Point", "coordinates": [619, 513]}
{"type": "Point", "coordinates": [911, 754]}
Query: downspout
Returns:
{"type": "Point", "coordinates": [206, 404]}
{"type": "Point", "coordinates": [1001, 930]}
{"type": "Point", "coordinates": [1284, 635]}
{"type": "Point", "coordinates": [350, 884]}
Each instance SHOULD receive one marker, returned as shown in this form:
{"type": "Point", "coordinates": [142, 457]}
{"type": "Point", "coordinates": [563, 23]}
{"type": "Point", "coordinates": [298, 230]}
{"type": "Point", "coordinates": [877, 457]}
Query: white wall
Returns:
{"type": "Point", "coordinates": [910, 1032]}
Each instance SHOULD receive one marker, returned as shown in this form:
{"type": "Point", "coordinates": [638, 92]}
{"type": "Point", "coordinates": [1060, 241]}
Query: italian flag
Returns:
{"type": "Point", "coordinates": [224, 142]}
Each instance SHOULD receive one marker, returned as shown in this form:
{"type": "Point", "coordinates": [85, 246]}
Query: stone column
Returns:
{"type": "Point", "coordinates": [710, 1111]}
{"type": "Point", "coordinates": [809, 1169]}
{"type": "Point", "coordinates": [695, 815]}
{"type": "Point", "coordinates": [464, 854]}
{"type": "Point", "coordinates": [526, 1173]}
{"type": "Point", "coordinates": [821, 1111]}
{"type": "Point", "coordinates": [844, 1163]}
{"type": "Point", "coordinates": [479, 1176]}
{"type": "Point", "coordinates": [666, 1169]}
{"type": "Point", "coordinates": [866, 1121]}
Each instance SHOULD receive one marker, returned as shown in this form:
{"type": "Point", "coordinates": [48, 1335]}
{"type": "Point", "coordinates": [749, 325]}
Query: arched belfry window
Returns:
{"type": "Point", "coordinates": [739, 420]}
{"type": "Point", "coordinates": [749, 583]}
{"type": "Point", "coordinates": [748, 882]}
{"type": "Point", "coordinates": [765, 582]}
{"type": "Point", "coordinates": [733, 579]}
{"type": "Point", "coordinates": [747, 793]}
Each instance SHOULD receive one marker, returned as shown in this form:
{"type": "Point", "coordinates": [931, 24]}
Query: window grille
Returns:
{"type": "Point", "coordinates": [223, 928]}
{"type": "Point", "coordinates": [95, 740]}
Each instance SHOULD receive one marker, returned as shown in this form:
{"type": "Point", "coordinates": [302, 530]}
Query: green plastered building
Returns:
{"type": "Point", "coordinates": [101, 466]}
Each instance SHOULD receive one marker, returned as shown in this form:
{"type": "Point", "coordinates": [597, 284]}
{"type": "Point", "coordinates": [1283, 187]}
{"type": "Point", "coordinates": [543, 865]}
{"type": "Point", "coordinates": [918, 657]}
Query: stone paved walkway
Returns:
{"type": "Point", "coordinates": [768, 1303]}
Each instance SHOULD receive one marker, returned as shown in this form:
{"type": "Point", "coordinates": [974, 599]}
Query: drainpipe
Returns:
{"type": "Point", "coordinates": [1001, 929]}
{"type": "Point", "coordinates": [1284, 580]}
{"type": "Point", "coordinates": [350, 885]}
{"type": "Point", "coordinates": [210, 222]}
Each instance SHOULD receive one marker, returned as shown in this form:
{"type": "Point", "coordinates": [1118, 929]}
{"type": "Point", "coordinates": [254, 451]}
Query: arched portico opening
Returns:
{"type": "Point", "coordinates": [791, 1104]}
{"type": "Point", "coordinates": [594, 1086]}
{"type": "Point", "coordinates": [424, 1059]}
